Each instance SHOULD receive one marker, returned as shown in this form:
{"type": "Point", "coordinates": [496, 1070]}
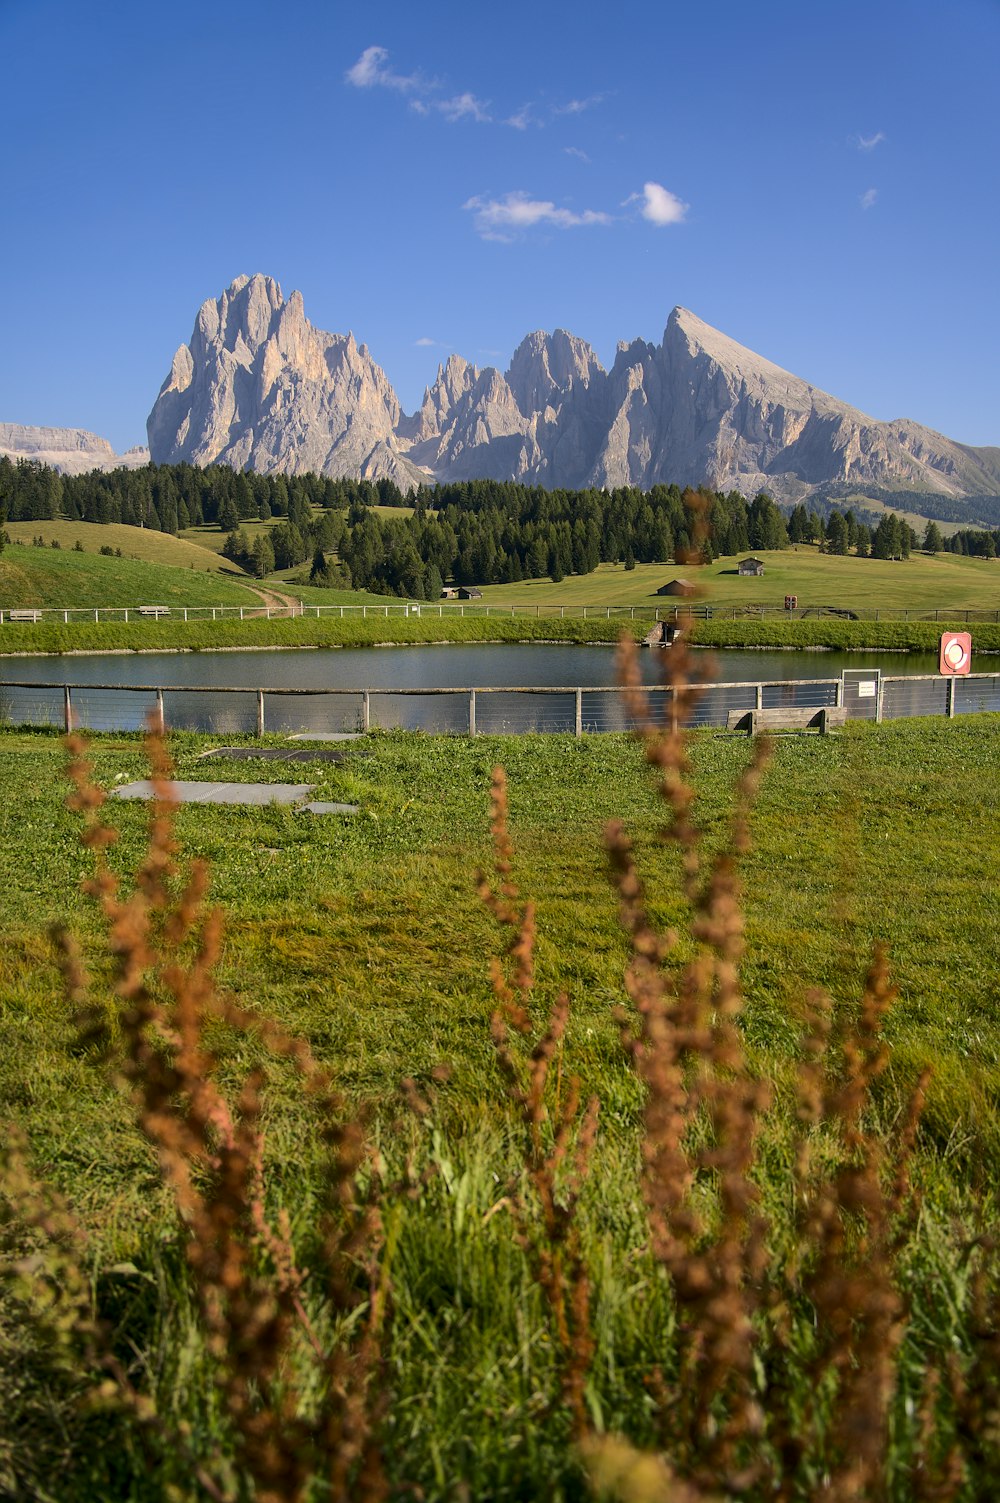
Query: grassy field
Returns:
{"type": "Point", "coordinates": [329, 631]}
{"type": "Point", "coordinates": [140, 544]}
{"type": "Point", "coordinates": [211, 538]}
{"type": "Point", "coordinates": [921, 582]}
{"type": "Point", "coordinates": [171, 572]}
{"type": "Point", "coordinates": [365, 936]}
{"type": "Point", "coordinates": [379, 630]}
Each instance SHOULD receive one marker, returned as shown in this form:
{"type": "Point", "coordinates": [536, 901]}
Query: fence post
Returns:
{"type": "Point", "coordinates": [879, 699]}
{"type": "Point", "coordinates": [241, 613]}
{"type": "Point", "coordinates": [185, 613]}
{"type": "Point", "coordinates": [213, 612]}
{"type": "Point", "coordinates": [838, 694]}
{"type": "Point", "coordinates": [952, 681]}
{"type": "Point", "coordinates": [67, 710]}
{"type": "Point", "coordinates": [97, 616]}
{"type": "Point", "coordinates": [126, 615]}
{"type": "Point", "coordinates": [472, 712]}
{"type": "Point", "coordinates": [759, 697]}
{"type": "Point", "coordinates": [579, 712]}
{"type": "Point", "coordinates": [366, 711]}
{"type": "Point", "coordinates": [160, 719]}
{"type": "Point", "coordinates": [364, 613]}
{"type": "Point", "coordinates": [260, 712]}
{"type": "Point", "coordinates": [65, 618]}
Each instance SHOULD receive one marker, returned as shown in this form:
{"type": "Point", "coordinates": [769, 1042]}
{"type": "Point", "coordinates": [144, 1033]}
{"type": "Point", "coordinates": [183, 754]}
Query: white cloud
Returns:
{"type": "Point", "coordinates": [521, 118]}
{"type": "Point", "coordinates": [577, 106]}
{"type": "Point", "coordinates": [869, 143]}
{"type": "Point", "coordinates": [574, 151]}
{"type": "Point", "coordinates": [501, 218]}
{"type": "Point", "coordinates": [659, 205]}
{"type": "Point", "coordinates": [372, 70]}
{"type": "Point", "coordinates": [869, 198]}
{"type": "Point", "coordinates": [463, 107]}
{"type": "Point", "coordinates": [424, 343]}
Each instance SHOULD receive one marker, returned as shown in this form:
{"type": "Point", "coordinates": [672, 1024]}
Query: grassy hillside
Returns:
{"type": "Point", "coordinates": [366, 937]}
{"type": "Point", "coordinates": [139, 543]}
{"type": "Point", "coordinates": [211, 538]}
{"type": "Point", "coordinates": [920, 582]}
{"type": "Point", "coordinates": [64, 578]}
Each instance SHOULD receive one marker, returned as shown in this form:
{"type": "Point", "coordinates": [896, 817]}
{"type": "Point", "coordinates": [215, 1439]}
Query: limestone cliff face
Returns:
{"type": "Point", "coordinates": [258, 386]}
{"type": "Point", "coordinates": [73, 451]}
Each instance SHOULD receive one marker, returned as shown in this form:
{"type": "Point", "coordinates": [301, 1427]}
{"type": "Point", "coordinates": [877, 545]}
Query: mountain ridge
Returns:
{"type": "Point", "coordinates": [259, 386]}
{"type": "Point", "coordinates": [73, 451]}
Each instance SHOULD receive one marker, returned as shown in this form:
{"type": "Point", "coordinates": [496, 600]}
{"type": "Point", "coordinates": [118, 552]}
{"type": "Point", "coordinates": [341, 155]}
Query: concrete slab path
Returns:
{"type": "Point", "coordinates": [257, 794]}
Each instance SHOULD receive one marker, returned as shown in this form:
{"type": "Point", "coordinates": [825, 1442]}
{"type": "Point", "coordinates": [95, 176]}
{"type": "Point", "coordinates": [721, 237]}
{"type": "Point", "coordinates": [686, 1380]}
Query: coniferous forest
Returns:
{"type": "Point", "coordinates": [469, 532]}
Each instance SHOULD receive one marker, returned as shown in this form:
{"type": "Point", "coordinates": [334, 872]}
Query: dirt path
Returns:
{"type": "Point", "coordinates": [273, 599]}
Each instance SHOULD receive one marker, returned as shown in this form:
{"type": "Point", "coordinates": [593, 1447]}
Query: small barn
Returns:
{"type": "Point", "coordinates": [449, 592]}
{"type": "Point", "coordinates": [470, 592]}
{"type": "Point", "coordinates": [750, 566]}
{"type": "Point", "coordinates": [682, 587]}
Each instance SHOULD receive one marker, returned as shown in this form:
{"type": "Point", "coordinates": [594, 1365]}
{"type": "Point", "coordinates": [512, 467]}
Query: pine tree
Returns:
{"type": "Point", "coordinates": [932, 538]}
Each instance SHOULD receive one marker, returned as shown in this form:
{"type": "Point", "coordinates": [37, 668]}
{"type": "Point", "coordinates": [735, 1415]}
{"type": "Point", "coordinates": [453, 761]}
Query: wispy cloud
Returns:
{"type": "Point", "coordinates": [521, 118]}
{"type": "Point", "coordinates": [503, 218]}
{"type": "Point", "coordinates": [464, 107]}
{"type": "Point", "coordinates": [869, 143]}
{"type": "Point", "coordinates": [659, 205]}
{"type": "Point", "coordinates": [372, 71]}
{"type": "Point", "coordinates": [577, 106]}
{"type": "Point", "coordinates": [425, 342]}
{"type": "Point", "coordinates": [574, 151]}
{"type": "Point", "coordinates": [869, 198]}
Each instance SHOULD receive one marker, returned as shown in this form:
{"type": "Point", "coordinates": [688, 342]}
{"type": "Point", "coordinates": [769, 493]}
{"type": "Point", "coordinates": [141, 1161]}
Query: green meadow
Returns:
{"type": "Point", "coordinates": [365, 936]}
{"type": "Point", "coordinates": [944, 581]}
{"type": "Point", "coordinates": [154, 569]}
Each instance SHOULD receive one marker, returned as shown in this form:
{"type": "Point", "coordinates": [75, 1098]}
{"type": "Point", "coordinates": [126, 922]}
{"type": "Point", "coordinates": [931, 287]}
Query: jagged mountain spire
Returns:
{"type": "Point", "coordinates": [258, 386]}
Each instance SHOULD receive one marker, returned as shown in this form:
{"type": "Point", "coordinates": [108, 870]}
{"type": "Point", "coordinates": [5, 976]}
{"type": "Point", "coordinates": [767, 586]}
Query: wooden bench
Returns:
{"type": "Point", "coordinates": [786, 719]}
{"type": "Point", "coordinates": [154, 610]}
{"type": "Point", "coordinates": [24, 615]}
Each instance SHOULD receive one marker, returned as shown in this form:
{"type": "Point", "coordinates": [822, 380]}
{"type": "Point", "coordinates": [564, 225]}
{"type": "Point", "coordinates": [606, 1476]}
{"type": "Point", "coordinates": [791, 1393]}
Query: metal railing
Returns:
{"type": "Point", "coordinates": [480, 710]}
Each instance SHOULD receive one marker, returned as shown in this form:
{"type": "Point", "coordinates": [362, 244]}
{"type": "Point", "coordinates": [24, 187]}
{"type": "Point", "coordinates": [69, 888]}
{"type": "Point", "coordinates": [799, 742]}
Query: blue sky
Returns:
{"type": "Point", "coordinates": [820, 182]}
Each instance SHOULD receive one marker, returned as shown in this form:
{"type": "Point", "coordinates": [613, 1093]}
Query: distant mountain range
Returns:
{"type": "Point", "coordinates": [73, 451]}
{"type": "Point", "coordinates": [258, 386]}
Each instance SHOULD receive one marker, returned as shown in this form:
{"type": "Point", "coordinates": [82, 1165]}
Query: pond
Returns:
{"type": "Point", "coordinates": [117, 691]}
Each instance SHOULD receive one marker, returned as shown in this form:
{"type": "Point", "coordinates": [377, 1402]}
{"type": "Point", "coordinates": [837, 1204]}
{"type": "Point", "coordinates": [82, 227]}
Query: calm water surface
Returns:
{"type": "Point", "coordinates": [483, 666]}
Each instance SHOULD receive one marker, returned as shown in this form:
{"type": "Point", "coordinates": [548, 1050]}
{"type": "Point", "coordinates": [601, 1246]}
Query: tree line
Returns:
{"type": "Point", "coordinates": [494, 532]}
{"type": "Point", "coordinates": [170, 498]}
{"type": "Point", "coordinates": [467, 532]}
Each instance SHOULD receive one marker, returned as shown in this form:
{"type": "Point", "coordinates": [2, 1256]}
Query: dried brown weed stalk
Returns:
{"type": "Point", "coordinates": [249, 1287]}
{"type": "Point", "coordinates": [559, 1138]}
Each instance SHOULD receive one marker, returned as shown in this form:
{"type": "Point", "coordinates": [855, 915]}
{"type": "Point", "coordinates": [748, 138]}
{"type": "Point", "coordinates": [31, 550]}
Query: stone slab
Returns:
{"type": "Point", "coordinates": [320, 806]}
{"type": "Point", "coordinates": [327, 736]}
{"type": "Point", "coordinates": [274, 754]}
{"type": "Point", "coordinates": [257, 794]}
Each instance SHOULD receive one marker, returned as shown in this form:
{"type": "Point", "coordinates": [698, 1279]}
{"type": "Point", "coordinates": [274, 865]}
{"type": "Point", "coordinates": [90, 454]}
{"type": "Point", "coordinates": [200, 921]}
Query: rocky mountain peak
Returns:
{"type": "Point", "coordinates": [259, 386]}
{"type": "Point", "coordinates": [545, 366]}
